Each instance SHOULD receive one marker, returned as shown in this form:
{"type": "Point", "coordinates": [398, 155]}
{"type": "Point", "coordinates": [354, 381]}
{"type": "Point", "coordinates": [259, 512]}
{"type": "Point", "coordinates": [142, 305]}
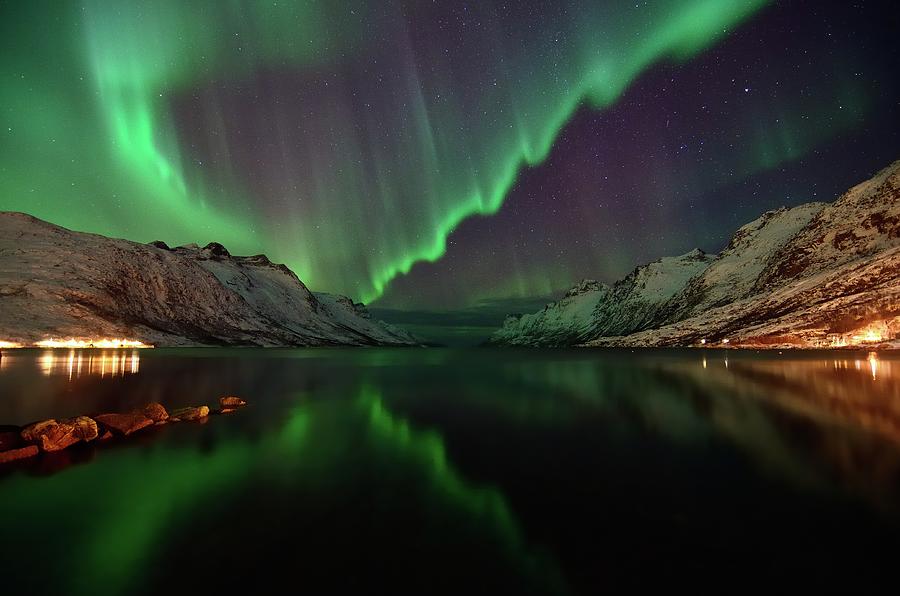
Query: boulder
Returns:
{"type": "Point", "coordinates": [51, 435]}
{"type": "Point", "coordinates": [155, 412]}
{"type": "Point", "coordinates": [124, 424]}
{"type": "Point", "coordinates": [189, 413]}
{"type": "Point", "coordinates": [231, 402]}
{"type": "Point", "coordinates": [20, 453]}
{"type": "Point", "coordinates": [32, 432]}
{"type": "Point", "coordinates": [85, 428]}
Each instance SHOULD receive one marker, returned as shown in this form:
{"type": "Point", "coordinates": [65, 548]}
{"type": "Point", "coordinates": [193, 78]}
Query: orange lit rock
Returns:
{"type": "Point", "coordinates": [33, 432]}
{"type": "Point", "coordinates": [85, 428]}
{"type": "Point", "coordinates": [189, 413]}
{"type": "Point", "coordinates": [231, 402]}
{"type": "Point", "coordinates": [155, 412]}
{"type": "Point", "coordinates": [20, 453]}
{"type": "Point", "coordinates": [51, 435]}
{"type": "Point", "coordinates": [124, 424]}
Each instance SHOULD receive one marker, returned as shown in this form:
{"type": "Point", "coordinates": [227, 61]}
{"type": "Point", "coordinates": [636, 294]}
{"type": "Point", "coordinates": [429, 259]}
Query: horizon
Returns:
{"type": "Point", "coordinates": [473, 325]}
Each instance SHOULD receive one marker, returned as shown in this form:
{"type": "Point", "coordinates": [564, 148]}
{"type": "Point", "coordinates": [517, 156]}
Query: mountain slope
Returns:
{"type": "Point", "coordinates": [862, 222]}
{"type": "Point", "coordinates": [58, 283]}
{"type": "Point", "coordinates": [566, 322]}
{"type": "Point", "coordinates": [592, 309]}
{"type": "Point", "coordinates": [734, 272]}
{"type": "Point", "coordinates": [816, 275]}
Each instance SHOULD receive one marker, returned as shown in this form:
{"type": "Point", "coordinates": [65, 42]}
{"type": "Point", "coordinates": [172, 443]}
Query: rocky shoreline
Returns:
{"type": "Point", "coordinates": [51, 435]}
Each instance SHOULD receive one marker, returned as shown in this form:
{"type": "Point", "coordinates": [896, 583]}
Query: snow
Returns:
{"type": "Point", "coordinates": [664, 278]}
{"type": "Point", "coordinates": [559, 323]}
{"type": "Point", "coordinates": [60, 283]}
{"type": "Point", "coordinates": [861, 222]}
{"type": "Point", "coordinates": [591, 309]}
{"type": "Point", "coordinates": [734, 272]}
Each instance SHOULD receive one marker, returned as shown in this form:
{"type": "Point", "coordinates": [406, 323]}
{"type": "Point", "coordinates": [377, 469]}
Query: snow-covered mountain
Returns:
{"type": "Point", "coordinates": [56, 283]}
{"type": "Point", "coordinates": [813, 275]}
{"type": "Point", "coordinates": [734, 271]}
{"type": "Point", "coordinates": [592, 309]}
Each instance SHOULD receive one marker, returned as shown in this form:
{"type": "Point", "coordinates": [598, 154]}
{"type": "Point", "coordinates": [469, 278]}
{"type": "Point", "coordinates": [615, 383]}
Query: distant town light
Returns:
{"type": "Point", "coordinates": [873, 333]}
{"type": "Point", "coordinates": [91, 343]}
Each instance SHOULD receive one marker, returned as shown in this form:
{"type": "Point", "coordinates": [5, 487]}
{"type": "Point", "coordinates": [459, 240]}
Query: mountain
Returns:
{"type": "Point", "coordinates": [59, 283]}
{"type": "Point", "coordinates": [815, 275]}
{"type": "Point", "coordinates": [733, 273]}
{"type": "Point", "coordinates": [592, 309]}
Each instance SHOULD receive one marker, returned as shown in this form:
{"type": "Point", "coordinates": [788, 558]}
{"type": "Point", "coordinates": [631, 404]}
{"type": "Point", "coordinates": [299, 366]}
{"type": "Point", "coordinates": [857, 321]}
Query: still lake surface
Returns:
{"type": "Point", "coordinates": [448, 471]}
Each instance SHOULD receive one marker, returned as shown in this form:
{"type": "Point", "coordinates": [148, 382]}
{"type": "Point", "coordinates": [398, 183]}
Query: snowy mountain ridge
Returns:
{"type": "Point", "coordinates": [815, 275]}
{"type": "Point", "coordinates": [591, 309]}
{"type": "Point", "coordinates": [57, 283]}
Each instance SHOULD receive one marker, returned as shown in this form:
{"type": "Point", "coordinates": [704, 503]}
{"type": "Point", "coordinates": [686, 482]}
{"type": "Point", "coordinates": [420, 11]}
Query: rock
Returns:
{"type": "Point", "coordinates": [85, 428]}
{"type": "Point", "coordinates": [107, 435]}
{"type": "Point", "coordinates": [20, 453]}
{"type": "Point", "coordinates": [32, 432]}
{"type": "Point", "coordinates": [160, 244]}
{"type": "Point", "coordinates": [189, 413]}
{"type": "Point", "coordinates": [226, 410]}
{"type": "Point", "coordinates": [231, 402]}
{"type": "Point", "coordinates": [124, 424]}
{"type": "Point", "coordinates": [155, 412]}
{"type": "Point", "coordinates": [51, 435]}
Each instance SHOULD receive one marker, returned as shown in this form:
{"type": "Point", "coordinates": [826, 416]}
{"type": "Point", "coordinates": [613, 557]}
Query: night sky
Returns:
{"type": "Point", "coordinates": [447, 162]}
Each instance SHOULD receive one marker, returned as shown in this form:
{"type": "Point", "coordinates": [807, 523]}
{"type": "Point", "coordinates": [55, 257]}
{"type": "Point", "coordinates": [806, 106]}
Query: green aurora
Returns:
{"type": "Point", "coordinates": [92, 140]}
{"type": "Point", "coordinates": [349, 140]}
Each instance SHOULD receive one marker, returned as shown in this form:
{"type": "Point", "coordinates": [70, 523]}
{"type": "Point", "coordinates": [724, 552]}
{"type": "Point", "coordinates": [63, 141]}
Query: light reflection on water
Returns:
{"type": "Point", "coordinates": [77, 362]}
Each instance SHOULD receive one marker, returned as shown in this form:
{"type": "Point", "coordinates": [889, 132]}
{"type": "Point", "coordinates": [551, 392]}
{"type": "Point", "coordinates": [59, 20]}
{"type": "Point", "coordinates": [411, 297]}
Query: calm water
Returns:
{"type": "Point", "coordinates": [423, 471]}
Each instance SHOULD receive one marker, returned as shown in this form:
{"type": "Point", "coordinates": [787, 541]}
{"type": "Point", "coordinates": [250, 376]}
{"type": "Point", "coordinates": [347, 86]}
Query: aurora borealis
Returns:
{"type": "Point", "coordinates": [355, 140]}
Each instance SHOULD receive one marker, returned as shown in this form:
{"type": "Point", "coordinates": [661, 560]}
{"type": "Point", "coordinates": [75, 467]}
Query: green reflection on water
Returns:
{"type": "Point", "coordinates": [99, 523]}
{"type": "Point", "coordinates": [108, 521]}
{"type": "Point", "coordinates": [486, 506]}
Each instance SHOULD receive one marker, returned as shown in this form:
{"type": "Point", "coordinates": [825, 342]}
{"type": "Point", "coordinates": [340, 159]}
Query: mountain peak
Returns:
{"type": "Point", "coordinates": [585, 286]}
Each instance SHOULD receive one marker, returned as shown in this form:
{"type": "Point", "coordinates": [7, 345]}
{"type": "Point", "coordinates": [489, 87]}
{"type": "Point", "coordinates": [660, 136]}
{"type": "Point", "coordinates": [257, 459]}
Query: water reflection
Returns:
{"type": "Point", "coordinates": [860, 390]}
{"type": "Point", "coordinates": [531, 471]}
{"type": "Point", "coordinates": [306, 450]}
{"type": "Point", "coordinates": [75, 363]}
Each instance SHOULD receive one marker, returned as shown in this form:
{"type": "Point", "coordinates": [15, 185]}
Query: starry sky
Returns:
{"type": "Point", "coordinates": [448, 161]}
